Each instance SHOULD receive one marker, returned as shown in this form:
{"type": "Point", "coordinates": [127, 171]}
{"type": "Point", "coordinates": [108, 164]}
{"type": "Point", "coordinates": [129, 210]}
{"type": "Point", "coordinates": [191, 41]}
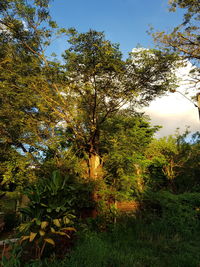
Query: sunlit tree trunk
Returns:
{"type": "Point", "coordinates": [94, 166]}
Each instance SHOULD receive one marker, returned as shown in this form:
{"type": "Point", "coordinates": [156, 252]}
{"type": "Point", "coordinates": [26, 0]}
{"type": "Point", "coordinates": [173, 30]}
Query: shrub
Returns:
{"type": "Point", "coordinates": [11, 220]}
{"type": "Point", "coordinates": [49, 213]}
{"type": "Point", "coordinates": [176, 213]}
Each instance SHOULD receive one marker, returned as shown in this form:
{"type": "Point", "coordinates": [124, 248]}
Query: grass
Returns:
{"type": "Point", "coordinates": [132, 243]}
{"type": "Point", "coordinates": [135, 245]}
{"type": "Point", "coordinates": [166, 233]}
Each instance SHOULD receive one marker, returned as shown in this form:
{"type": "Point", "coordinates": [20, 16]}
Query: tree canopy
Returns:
{"type": "Point", "coordinates": [184, 39]}
{"type": "Point", "coordinates": [101, 83]}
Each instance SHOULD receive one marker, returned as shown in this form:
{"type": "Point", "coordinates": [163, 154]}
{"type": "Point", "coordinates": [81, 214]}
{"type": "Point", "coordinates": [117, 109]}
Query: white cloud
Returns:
{"type": "Point", "coordinates": [174, 110]}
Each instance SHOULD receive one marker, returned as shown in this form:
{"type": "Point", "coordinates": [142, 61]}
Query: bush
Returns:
{"type": "Point", "coordinates": [48, 216]}
{"type": "Point", "coordinates": [176, 213]}
{"type": "Point", "coordinates": [11, 221]}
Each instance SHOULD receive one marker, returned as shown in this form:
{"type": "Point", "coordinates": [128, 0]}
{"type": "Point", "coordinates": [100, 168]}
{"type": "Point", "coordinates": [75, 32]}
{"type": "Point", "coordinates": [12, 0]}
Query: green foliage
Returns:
{"type": "Point", "coordinates": [35, 16]}
{"type": "Point", "coordinates": [180, 213]}
{"type": "Point", "coordinates": [100, 83]}
{"type": "Point", "coordinates": [15, 169]}
{"type": "Point", "coordinates": [56, 118]}
{"type": "Point", "coordinates": [56, 197]}
{"type": "Point", "coordinates": [184, 39]}
{"type": "Point", "coordinates": [137, 241]}
{"type": "Point", "coordinates": [8, 201]}
{"type": "Point", "coordinates": [14, 259]}
{"type": "Point", "coordinates": [58, 156]}
{"type": "Point", "coordinates": [191, 7]}
{"type": "Point", "coordinates": [123, 143]}
{"type": "Point", "coordinates": [188, 175]}
{"type": "Point", "coordinates": [94, 84]}
{"type": "Point", "coordinates": [173, 163]}
{"type": "Point", "coordinates": [149, 238]}
{"type": "Point", "coordinates": [163, 160]}
{"type": "Point", "coordinates": [11, 220]}
{"type": "Point", "coordinates": [25, 119]}
{"type": "Point", "coordinates": [49, 212]}
{"type": "Point", "coordinates": [50, 198]}
{"type": "Point", "coordinates": [132, 242]}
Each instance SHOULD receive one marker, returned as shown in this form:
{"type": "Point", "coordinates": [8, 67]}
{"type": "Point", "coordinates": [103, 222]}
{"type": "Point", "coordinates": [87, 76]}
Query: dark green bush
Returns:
{"type": "Point", "coordinates": [11, 220]}
{"type": "Point", "coordinates": [176, 213]}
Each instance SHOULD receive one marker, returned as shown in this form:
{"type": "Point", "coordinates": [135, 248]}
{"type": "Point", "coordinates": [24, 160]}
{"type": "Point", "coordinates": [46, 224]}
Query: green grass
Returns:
{"type": "Point", "coordinates": [135, 245]}
{"type": "Point", "coordinates": [132, 243]}
{"type": "Point", "coordinates": [165, 234]}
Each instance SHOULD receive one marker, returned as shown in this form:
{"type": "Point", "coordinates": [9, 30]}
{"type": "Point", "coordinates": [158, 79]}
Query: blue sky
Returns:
{"type": "Point", "coordinates": [123, 21]}
{"type": "Point", "coordinates": [126, 22]}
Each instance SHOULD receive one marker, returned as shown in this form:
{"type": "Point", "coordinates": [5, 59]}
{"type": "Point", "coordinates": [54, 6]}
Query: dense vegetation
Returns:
{"type": "Point", "coordinates": [74, 145]}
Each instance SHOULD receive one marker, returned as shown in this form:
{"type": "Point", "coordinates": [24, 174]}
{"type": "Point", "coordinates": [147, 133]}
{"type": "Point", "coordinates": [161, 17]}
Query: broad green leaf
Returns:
{"type": "Point", "coordinates": [42, 233]}
{"type": "Point", "coordinates": [62, 233]}
{"type": "Point", "coordinates": [58, 209]}
{"type": "Point", "coordinates": [32, 236]}
{"type": "Point", "coordinates": [44, 224]}
{"type": "Point", "coordinates": [69, 229]}
{"type": "Point", "coordinates": [38, 222]}
{"type": "Point", "coordinates": [50, 241]}
{"type": "Point", "coordinates": [24, 238]}
{"type": "Point", "coordinates": [53, 230]}
{"type": "Point", "coordinates": [66, 220]}
{"type": "Point", "coordinates": [57, 222]}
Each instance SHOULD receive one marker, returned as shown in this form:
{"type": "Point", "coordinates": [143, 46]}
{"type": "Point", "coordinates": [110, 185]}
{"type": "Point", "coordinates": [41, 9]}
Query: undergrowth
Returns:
{"type": "Point", "coordinates": [166, 233]}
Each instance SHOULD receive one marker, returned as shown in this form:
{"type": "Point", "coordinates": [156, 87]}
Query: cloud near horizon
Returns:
{"type": "Point", "coordinates": [174, 110]}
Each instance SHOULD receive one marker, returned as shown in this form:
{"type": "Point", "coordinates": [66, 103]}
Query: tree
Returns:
{"type": "Point", "coordinates": [187, 179]}
{"type": "Point", "coordinates": [99, 83]}
{"type": "Point", "coordinates": [164, 162]}
{"type": "Point", "coordinates": [21, 109]}
{"type": "Point", "coordinates": [22, 38]}
{"type": "Point", "coordinates": [185, 38]}
{"type": "Point", "coordinates": [25, 120]}
{"type": "Point", "coordinates": [94, 84]}
{"type": "Point", "coordinates": [173, 163]}
{"type": "Point", "coordinates": [28, 23]}
{"type": "Point", "coordinates": [123, 143]}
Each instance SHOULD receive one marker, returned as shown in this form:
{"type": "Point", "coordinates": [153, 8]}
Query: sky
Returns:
{"type": "Point", "coordinates": [126, 22]}
{"type": "Point", "coordinates": [175, 110]}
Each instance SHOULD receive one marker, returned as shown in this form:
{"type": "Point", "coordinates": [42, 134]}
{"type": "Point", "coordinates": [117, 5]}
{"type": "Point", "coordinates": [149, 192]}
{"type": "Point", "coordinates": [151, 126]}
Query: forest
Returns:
{"type": "Point", "coordinates": [83, 180]}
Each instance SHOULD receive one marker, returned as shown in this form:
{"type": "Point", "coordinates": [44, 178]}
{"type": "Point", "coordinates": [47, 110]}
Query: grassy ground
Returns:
{"type": "Point", "coordinates": [132, 243]}
{"type": "Point", "coordinates": [135, 245]}
{"type": "Point", "coordinates": [165, 233]}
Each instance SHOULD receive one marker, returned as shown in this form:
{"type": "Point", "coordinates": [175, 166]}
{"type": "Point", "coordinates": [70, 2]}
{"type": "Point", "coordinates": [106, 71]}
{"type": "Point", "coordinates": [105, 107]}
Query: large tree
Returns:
{"type": "Point", "coordinates": [25, 120]}
{"type": "Point", "coordinates": [26, 30]}
{"type": "Point", "coordinates": [93, 85]}
{"type": "Point", "coordinates": [99, 83]}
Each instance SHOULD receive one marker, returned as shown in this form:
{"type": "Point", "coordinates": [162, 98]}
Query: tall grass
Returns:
{"type": "Point", "coordinates": [134, 243]}
{"type": "Point", "coordinates": [165, 234]}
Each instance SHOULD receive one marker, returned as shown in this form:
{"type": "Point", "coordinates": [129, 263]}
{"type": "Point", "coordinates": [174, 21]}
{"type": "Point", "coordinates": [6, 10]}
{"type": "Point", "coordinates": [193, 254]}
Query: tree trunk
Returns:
{"type": "Point", "coordinates": [94, 173]}
{"type": "Point", "coordinates": [94, 167]}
